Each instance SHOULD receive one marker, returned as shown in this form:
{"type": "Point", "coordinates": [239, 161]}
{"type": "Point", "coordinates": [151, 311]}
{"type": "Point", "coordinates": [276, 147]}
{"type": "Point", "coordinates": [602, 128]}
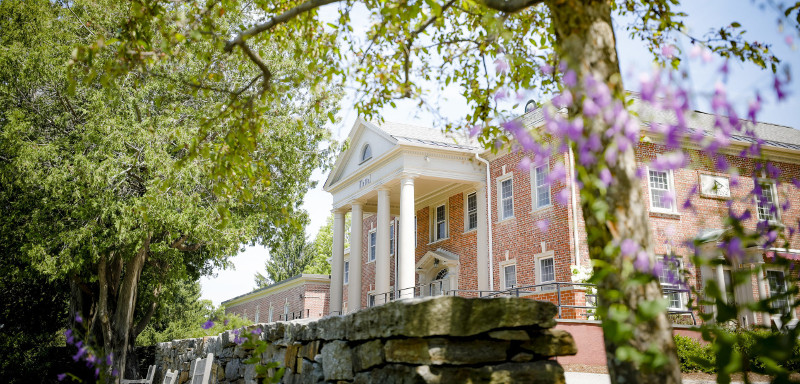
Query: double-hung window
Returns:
{"type": "Point", "coordinates": [440, 223]}
{"type": "Point", "coordinates": [346, 271]}
{"type": "Point", "coordinates": [545, 268]}
{"type": "Point", "coordinates": [506, 198]}
{"type": "Point", "coordinates": [472, 211]}
{"type": "Point", "coordinates": [541, 186]}
{"type": "Point", "coordinates": [258, 312]}
{"type": "Point", "coordinates": [509, 276]}
{"type": "Point", "coordinates": [670, 279]}
{"type": "Point", "coordinates": [373, 237]}
{"type": "Point", "coordinates": [270, 312]}
{"type": "Point", "coordinates": [662, 192]}
{"type": "Point", "coordinates": [767, 210]}
{"type": "Point", "coordinates": [392, 242]}
{"type": "Point", "coordinates": [286, 310]}
{"type": "Point", "coordinates": [777, 286]}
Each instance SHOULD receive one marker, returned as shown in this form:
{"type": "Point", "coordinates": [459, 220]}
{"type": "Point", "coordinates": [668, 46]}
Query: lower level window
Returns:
{"type": "Point", "coordinates": [670, 279]}
{"type": "Point", "coordinates": [777, 286]}
{"type": "Point", "coordinates": [510, 275]}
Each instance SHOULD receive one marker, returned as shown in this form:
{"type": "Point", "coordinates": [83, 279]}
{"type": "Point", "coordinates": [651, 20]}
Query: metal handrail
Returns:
{"type": "Point", "coordinates": [556, 287]}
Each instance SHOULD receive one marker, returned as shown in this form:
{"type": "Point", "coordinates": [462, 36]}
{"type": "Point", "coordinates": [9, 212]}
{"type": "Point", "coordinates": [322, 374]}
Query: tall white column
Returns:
{"type": "Point", "coordinates": [406, 238]}
{"type": "Point", "coordinates": [762, 294]}
{"type": "Point", "coordinates": [721, 283]}
{"type": "Point", "coordinates": [337, 263]}
{"type": "Point", "coordinates": [354, 287]}
{"type": "Point", "coordinates": [382, 261]}
{"type": "Point", "coordinates": [482, 240]}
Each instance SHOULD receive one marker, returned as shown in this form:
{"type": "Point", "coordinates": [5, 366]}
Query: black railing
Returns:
{"type": "Point", "coordinates": [294, 315]}
{"type": "Point", "coordinates": [556, 288]}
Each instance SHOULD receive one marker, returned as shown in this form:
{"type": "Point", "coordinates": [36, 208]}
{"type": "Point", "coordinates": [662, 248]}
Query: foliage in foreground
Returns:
{"type": "Point", "coordinates": [697, 356]}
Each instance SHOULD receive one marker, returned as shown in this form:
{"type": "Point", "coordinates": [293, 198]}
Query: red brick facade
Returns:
{"type": "Point", "coordinates": [302, 296]}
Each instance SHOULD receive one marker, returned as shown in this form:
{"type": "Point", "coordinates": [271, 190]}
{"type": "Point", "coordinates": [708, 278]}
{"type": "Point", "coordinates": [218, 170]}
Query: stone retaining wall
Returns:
{"type": "Point", "coordinates": [433, 340]}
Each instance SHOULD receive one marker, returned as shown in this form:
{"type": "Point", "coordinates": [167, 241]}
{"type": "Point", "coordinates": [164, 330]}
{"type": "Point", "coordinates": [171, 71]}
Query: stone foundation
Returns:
{"type": "Point", "coordinates": [433, 340]}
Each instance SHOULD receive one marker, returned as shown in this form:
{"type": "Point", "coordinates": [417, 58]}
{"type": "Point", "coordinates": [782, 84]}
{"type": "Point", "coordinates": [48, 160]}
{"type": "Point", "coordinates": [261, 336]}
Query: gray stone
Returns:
{"type": "Point", "coordinates": [551, 342]}
{"type": "Point", "coordinates": [510, 334]}
{"type": "Point", "coordinates": [337, 361]}
{"type": "Point", "coordinates": [440, 351]}
{"type": "Point", "coordinates": [250, 373]}
{"type": "Point", "coordinates": [539, 372]}
{"type": "Point", "coordinates": [331, 328]}
{"type": "Point", "coordinates": [448, 315]}
{"type": "Point", "coordinates": [232, 369]}
{"type": "Point", "coordinates": [310, 373]}
{"type": "Point", "coordinates": [368, 355]}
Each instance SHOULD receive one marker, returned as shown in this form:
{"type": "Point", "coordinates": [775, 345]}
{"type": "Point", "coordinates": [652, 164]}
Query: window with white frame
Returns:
{"type": "Point", "coordinates": [366, 153]}
{"type": "Point", "coordinates": [346, 271]}
{"type": "Point", "coordinates": [286, 310]}
{"type": "Point", "coordinates": [270, 312]}
{"type": "Point", "coordinates": [767, 210]}
{"type": "Point", "coordinates": [440, 222]}
{"type": "Point", "coordinates": [662, 191]}
{"type": "Point", "coordinates": [541, 186]}
{"type": "Point", "coordinates": [371, 249]}
{"type": "Point", "coordinates": [392, 238]}
{"type": "Point", "coordinates": [506, 207]}
{"type": "Point", "coordinates": [545, 270]}
{"type": "Point", "coordinates": [258, 312]}
{"type": "Point", "coordinates": [415, 232]}
{"type": "Point", "coordinates": [670, 279]}
{"type": "Point", "coordinates": [509, 276]}
{"type": "Point", "coordinates": [472, 211]}
{"type": "Point", "coordinates": [777, 286]}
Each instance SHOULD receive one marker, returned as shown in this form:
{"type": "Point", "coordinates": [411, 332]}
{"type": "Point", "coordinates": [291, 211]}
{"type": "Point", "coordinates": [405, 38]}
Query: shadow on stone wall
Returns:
{"type": "Point", "coordinates": [433, 340]}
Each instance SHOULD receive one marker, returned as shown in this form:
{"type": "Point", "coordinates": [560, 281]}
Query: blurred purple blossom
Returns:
{"type": "Point", "coordinates": [562, 197]}
{"type": "Point", "coordinates": [628, 247]}
{"type": "Point", "coordinates": [642, 262]}
{"type": "Point", "coordinates": [500, 65]}
{"type": "Point", "coordinates": [543, 225]}
{"type": "Point", "coordinates": [605, 177]}
{"type": "Point", "coordinates": [570, 79]}
{"type": "Point", "coordinates": [78, 318]}
{"type": "Point", "coordinates": [208, 324]}
{"type": "Point", "coordinates": [524, 164]}
{"type": "Point", "coordinates": [62, 376]}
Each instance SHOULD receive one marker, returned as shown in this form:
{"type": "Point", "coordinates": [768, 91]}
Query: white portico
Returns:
{"type": "Point", "coordinates": [393, 170]}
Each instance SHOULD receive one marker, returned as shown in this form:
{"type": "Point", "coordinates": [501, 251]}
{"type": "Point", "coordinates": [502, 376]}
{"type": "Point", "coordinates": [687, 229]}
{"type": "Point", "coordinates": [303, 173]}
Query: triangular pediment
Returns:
{"type": "Point", "coordinates": [350, 161]}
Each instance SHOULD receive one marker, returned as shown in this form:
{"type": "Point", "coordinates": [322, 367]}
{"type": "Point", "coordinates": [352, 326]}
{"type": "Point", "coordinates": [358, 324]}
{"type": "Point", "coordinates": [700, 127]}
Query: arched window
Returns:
{"type": "Point", "coordinates": [366, 153]}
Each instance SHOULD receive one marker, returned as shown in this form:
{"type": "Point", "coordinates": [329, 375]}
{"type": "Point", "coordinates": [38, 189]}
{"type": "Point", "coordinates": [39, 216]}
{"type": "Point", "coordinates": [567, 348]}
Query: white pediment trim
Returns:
{"type": "Point", "coordinates": [354, 149]}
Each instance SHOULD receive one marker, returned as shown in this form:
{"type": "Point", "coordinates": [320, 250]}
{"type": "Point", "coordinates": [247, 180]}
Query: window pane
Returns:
{"type": "Point", "coordinates": [766, 206]}
{"type": "Point", "coordinates": [346, 271]}
{"type": "Point", "coordinates": [548, 272]}
{"type": "Point", "coordinates": [391, 239]}
{"type": "Point", "coordinates": [472, 211]}
{"type": "Point", "coordinates": [441, 227]}
{"type": "Point", "coordinates": [507, 191]}
{"type": "Point", "coordinates": [372, 238]}
{"type": "Point", "coordinates": [659, 190]}
{"type": "Point", "coordinates": [510, 275]}
{"type": "Point", "coordinates": [777, 285]}
{"type": "Point", "coordinates": [508, 199]}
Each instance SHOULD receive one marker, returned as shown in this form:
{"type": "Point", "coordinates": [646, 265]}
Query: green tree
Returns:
{"type": "Point", "coordinates": [323, 247]}
{"type": "Point", "coordinates": [290, 258]}
{"type": "Point", "coordinates": [107, 193]}
{"type": "Point", "coordinates": [414, 46]}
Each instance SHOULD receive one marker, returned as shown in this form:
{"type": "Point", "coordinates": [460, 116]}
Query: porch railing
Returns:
{"type": "Point", "coordinates": [555, 292]}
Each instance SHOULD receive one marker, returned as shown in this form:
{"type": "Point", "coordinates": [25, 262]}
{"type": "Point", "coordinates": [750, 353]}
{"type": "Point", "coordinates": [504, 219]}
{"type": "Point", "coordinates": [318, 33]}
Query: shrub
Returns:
{"type": "Point", "coordinates": [693, 355]}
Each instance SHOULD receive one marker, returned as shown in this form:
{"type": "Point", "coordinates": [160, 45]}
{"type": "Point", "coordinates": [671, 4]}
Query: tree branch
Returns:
{"type": "Point", "coordinates": [142, 324]}
{"type": "Point", "coordinates": [509, 6]}
{"type": "Point", "coordinates": [178, 244]}
{"type": "Point", "coordinates": [254, 57]}
{"type": "Point", "coordinates": [277, 20]}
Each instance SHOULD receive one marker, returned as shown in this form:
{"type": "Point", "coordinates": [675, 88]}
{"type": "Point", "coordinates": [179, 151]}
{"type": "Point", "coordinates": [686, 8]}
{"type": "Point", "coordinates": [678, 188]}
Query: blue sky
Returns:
{"type": "Point", "coordinates": [744, 80]}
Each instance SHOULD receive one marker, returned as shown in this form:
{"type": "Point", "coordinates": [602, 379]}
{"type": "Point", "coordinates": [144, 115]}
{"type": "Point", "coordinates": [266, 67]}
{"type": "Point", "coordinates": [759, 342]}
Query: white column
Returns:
{"type": "Point", "coordinates": [721, 283]}
{"type": "Point", "coordinates": [382, 263]}
{"type": "Point", "coordinates": [762, 294]}
{"type": "Point", "coordinates": [354, 287]}
{"type": "Point", "coordinates": [482, 240]}
{"type": "Point", "coordinates": [337, 263]}
{"type": "Point", "coordinates": [406, 239]}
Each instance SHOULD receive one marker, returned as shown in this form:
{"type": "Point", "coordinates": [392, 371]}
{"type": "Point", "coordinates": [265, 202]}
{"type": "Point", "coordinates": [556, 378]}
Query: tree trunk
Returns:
{"type": "Point", "coordinates": [586, 41]}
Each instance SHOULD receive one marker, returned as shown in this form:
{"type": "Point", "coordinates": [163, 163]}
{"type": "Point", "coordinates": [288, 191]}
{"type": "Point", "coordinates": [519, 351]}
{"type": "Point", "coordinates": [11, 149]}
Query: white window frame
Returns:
{"type": "Point", "coordinates": [271, 313]}
{"type": "Point", "coordinates": [680, 271]}
{"type": "Point", "coordinates": [392, 237]}
{"type": "Point", "coordinates": [538, 269]}
{"type": "Point", "coordinates": [787, 304]}
{"type": "Point", "coordinates": [363, 158]}
{"type": "Point", "coordinates": [346, 268]}
{"type": "Point", "coordinates": [434, 223]}
{"type": "Point", "coordinates": [670, 189]}
{"type": "Point", "coordinates": [467, 211]}
{"type": "Point", "coordinates": [535, 187]}
{"type": "Point", "coordinates": [416, 234]}
{"type": "Point", "coordinates": [773, 187]}
{"type": "Point", "coordinates": [500, 211]}
{"type": "Point", "coordinates": [258, 312]}
{"type": "Point", "coordinates": [503, 266]}
{"type": "Point", "coordinates": [286, 310]}
{"type": "Point", "coordinates": [372, 246]}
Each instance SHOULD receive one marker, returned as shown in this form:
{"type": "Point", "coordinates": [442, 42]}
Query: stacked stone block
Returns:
{"type": "Point", "coordinates": [432, 340]}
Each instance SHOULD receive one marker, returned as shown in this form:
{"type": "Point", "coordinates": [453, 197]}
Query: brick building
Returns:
{"type": "Point", "coordinates": [441, 215]}
{"type": "Point", "coordinates": [460, 220]}
{"type": "Point", "coordinates": [302, 296]}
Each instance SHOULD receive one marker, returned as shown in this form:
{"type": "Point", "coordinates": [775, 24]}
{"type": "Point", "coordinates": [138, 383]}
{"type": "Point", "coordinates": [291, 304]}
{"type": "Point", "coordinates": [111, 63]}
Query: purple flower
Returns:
{"type": "Point", "coordinates": [524, 164]}
{"type": "Point", "coordinates": [68, 335]}
{"type": "Point", "coordinates": [562, 197]}
{"type": "Point", "coordinates": [605, 177]}
{"type": "Point", "coordinates": [115, 372]}
{"type": "Point", "coordinates": [208, 324]}
{"type": "Point", "coordinates": [628, 247]}
{"type": "Point", "coordinates": [475, 130]}
{"type": "Point", "coordinates": [590, 109]}
{"type": "Point", "coordinates": [78, 318]}
{"type": "Point", "coordinates": [81, 352]}
{"type": "Point", "coordinates": [563, 100]}
{"type": "Point", "coordinates": [225, 322]}
{"type": "Point", "coordinates": [611, 156]}
{"type": "Point", "coordinates": [500, 66]}
{"type": "Point", "coordinates": [668, 51]}
{"type": "Point", "coordinates": [547, 69]}
{"type": "Point", "coordinates": [642, 262]}
{"type": "Point", "coordinates": [543, 225]}
{"type": "Point", "coordinates": [110, 358]}
{"type": "Point", "coordinates": [570, 79]}
{"type": "Point", "coordinates": [733, 247]}
{"type": "Point", "coordinates": [256, 331]}
{"type": "Point", "coordinates": [557, 173]}
{"type": "Point", "coordinates": [62, 376]}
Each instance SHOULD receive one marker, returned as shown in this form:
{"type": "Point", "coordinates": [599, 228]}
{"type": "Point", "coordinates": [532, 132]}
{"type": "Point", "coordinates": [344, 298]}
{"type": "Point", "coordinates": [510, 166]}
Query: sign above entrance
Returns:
{"type": "Point", "coordinates": [365, 181]}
